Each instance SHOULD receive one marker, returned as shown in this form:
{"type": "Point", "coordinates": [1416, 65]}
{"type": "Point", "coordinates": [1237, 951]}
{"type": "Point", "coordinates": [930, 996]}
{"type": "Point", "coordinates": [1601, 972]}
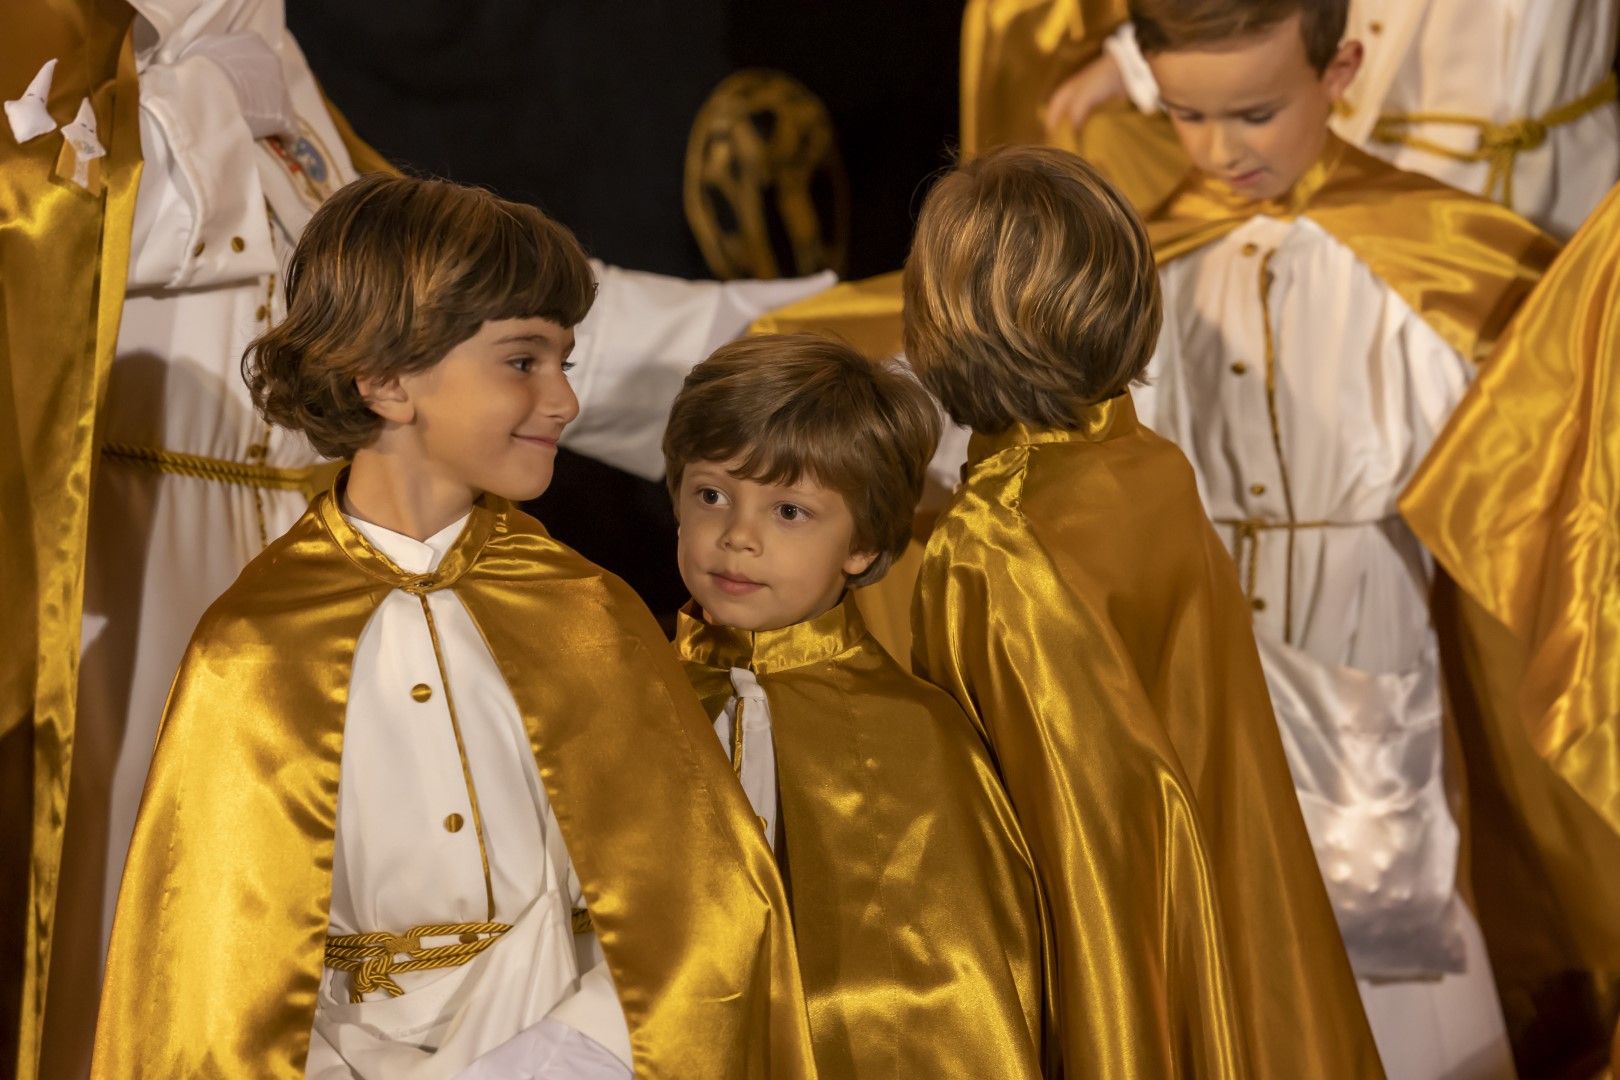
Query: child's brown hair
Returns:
{"type": "Point", "coordinates": [1180, 24]}
{"type": "Point", "coordinates": [1030, 291]}
{"type": "Point", "coordinates": [793, 406]}
{"type": "Point", "coordinates": [390, 275]}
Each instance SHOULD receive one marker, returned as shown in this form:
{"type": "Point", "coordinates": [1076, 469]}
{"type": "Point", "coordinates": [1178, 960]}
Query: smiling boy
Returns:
{"type": "Point", "coordinates": [1323, 312]}
{"type": "Point", "coordinates": [794, 464]}
{"type": "Point", "coordinates": [401, 808]}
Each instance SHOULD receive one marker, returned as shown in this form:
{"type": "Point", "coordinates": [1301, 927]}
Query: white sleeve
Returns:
{"type": "Point", "coordinates": [548, 1050]}
{"type": "Point", "coordinates": [1140, 86]}
{"type": "Point", "coordinates": [200, 216]}
{"type": "Point", "coordinates": [642, 336]}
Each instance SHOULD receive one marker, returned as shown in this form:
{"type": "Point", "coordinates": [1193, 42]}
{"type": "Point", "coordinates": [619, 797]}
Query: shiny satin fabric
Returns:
{"type": "Point", "coordinates": [1462, 263]}
{"type": "Point", "coordinates": [217, 943]}
{"type": "Point", "coordinates": [914, 902]}
{"type": "Point", "coordinates": [1077, 603]}
{"type": "Point", "coordinates": [865, 314]}
{"type": "Point", "coordinates": [64, 253]}
{"type": "Point", "coordinates": [1518, 501]}
{"type": "Point", "coordinates": [1015, 53]}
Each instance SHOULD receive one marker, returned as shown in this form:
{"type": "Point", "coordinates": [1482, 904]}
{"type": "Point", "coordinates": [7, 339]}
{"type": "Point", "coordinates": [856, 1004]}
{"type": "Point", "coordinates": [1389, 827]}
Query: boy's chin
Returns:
{"type": "Point", "coordinates": [520, 489]}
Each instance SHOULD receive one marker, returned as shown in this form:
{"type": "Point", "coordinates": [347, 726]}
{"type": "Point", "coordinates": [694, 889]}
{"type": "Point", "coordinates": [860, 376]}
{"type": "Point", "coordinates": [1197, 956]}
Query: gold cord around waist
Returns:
{"type": "Point", "coordinates": [219, 470]}
{"type": "Point", "coordinates": [371, 957]}
{"type": "Point", "coordinates": [1499, 144]}
{"type": "Point", "coordinates": [1246, 550]}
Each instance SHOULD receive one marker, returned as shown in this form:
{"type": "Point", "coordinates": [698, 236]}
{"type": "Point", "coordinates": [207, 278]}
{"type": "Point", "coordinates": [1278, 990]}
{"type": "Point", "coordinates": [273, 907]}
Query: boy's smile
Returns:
{"type": "Point", "coordinates": [761, 556]}
{"type": "Point", "coordinates": [1252, 111]}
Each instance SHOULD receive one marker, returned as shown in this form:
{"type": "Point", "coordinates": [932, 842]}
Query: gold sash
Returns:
{"type": "Point", "coordinates": [221, 924]}
{"type": "Point", "coordinates": [1500, 144]}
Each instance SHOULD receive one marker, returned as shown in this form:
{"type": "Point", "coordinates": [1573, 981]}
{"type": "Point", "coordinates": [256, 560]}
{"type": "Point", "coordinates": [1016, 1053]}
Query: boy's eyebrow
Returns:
{"type": "Point", "coordinates": [1258, 106]}
{"type": "Point", "coordinates": [537, 339]}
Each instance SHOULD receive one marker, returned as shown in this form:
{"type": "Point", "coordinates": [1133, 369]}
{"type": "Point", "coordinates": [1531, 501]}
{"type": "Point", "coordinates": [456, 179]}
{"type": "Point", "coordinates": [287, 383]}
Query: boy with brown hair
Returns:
{"type": "Point", "coordinates": [794, 464]}
{"type": "Point", "coordinates": [1323, 315]}
{"type": "Point", "coordinates": [1075, 601]}
{"type": "Point", "coordinates": [387, 827]}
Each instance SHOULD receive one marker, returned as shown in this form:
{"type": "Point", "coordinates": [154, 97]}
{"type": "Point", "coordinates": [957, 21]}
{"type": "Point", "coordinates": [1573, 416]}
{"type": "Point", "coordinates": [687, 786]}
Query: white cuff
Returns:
{"type": "Point", "coordinates": [1140, 86]}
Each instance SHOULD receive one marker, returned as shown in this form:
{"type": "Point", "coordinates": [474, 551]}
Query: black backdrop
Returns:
{"type": "Point", "coordinates": [583, 107]}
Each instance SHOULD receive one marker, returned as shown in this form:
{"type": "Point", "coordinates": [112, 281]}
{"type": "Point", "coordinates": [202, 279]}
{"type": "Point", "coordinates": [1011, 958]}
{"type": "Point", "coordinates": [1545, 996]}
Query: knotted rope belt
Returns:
{"type": "Point", "coordinates": [1499, 144]}
{"type": "Point", "coordinates": [1246, 533]}
{"type": "Point", "coordinates": [373, 958]}
{"type": "Point", "coordinates": [308, 479]}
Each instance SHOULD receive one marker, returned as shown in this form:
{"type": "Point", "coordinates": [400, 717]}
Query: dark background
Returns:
{"type": "Point", "coordinates": [583, 107]}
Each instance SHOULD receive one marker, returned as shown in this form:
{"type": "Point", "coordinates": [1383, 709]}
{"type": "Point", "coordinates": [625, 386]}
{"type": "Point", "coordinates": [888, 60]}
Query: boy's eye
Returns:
{"type": "Point", "coordinates": [1258, 117]}
{"type": "Point", "coordinates": [708, 496]}
{"type": "Point", "coordinates": [569, 365]}
{"type": "Point", "coordinates": [790, 512]}
{"type": "Point", "coordinates": [524, 364]}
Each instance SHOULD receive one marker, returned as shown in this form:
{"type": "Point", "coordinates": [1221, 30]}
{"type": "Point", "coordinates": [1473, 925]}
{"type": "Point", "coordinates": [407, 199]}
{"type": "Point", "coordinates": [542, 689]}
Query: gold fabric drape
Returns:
{"type": "Point", "coordinates": [221, 924]}
{"type": "Point", "coordinates": [64, 253]}
{"type": "Point", "coordinates": [1015, 53]}
{"type": "Point", "coordinates": [1075, 600]}
{"type": "Point", "coordinates": [914, 902]}
{"type": "Point", "coordinates": [1519, 501]}
{"type": "Point", "coordinates": [1462, 263]}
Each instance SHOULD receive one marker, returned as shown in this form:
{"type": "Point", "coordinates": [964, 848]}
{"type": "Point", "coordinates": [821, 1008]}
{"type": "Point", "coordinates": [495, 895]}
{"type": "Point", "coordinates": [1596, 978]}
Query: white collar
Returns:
{"type": "Point", "coordinates": [409, 554]}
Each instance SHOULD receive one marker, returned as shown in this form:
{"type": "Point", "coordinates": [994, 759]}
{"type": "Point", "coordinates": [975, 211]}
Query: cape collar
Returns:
{"type": "Point", "coordinates": [487, 519]}
{"type": "Point", "coordinates": [1101, 422]}
{"type": "Point", "coordinates": [765, 652]}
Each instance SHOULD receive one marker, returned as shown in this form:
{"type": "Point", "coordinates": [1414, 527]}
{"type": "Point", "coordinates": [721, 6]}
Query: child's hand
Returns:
{"type": "Point", "coordinates": [1082, 93]}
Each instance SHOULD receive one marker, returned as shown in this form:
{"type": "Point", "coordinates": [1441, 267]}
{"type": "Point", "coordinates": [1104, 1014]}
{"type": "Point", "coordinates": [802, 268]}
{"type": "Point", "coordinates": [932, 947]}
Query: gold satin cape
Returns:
{"type": "Point", "coordinates": [1519, 501]}
{"type": "Point", "coordinates": [64, 252]}
{"type": "Point", "coordinates": [1464, 264]}
{"type": "Point", "coordinates": [1077, 604]}
{"type": "Point", "coordinates": [914, 903]}
{"type": "Point", "coordinates": [222, 918]}
{"type": "Point", "coordinates": [1015, 53]}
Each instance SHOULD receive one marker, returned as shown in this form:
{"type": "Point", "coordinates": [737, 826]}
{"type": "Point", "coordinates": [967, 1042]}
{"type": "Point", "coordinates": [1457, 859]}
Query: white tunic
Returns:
{"type": "Point", "coordinates": [217, 216]}
{"type": "Point", "coordinates": [1497, 60]}
{"type": "Point", "coordinates": [1303, 389]}
{"type": "Point", "coordinates": [412, 849]}
{"type": "Point", "coordinates": [757, 773]}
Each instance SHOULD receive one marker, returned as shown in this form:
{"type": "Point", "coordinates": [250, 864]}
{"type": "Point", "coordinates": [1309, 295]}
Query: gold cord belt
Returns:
{"type": "Point", "coordinates": [1499, 144]}
{"type": "Point", "coordinates": [219, 470]}
{"type": "Point", "coordinates": [372, 958]}
{"type": "Point", "coordinates": [1246, 551]}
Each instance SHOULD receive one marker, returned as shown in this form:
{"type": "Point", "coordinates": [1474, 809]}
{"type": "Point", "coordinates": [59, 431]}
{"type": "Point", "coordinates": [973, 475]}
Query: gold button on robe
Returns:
{"type": "Point", "coordinates": [914, 903]}
{"type": "Point", "coordinates": [1077, 603]}
{"type": "Point", "coordinates": [222, 918]}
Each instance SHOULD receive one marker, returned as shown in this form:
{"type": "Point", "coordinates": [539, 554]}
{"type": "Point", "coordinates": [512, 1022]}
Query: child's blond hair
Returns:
{"type": "Point", "coordinates": [1030, 291]}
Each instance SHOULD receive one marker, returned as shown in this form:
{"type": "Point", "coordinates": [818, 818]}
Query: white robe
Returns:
{"type": "Point", "coordinates": [1326, 431]}
{"type": "Point", "coordinates": [1497, 60]}
{"type": "Point", "coordinates": [217, 216]}
{"type": "Point", "coordinates": [409, 851]}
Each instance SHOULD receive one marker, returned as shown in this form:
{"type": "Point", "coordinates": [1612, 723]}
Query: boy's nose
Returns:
{"type": "Point", "coordinates": [738, 535]}
{"type": "Point", "coordinates": [561, 403]}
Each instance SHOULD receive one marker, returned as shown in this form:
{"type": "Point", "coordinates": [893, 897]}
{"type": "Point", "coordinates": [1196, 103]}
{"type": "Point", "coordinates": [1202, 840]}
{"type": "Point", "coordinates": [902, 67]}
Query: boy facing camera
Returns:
{"type": "Point", "coordinates": [794, 464]}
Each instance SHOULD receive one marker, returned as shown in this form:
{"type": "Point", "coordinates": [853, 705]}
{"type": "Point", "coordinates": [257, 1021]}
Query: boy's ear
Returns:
{"type": "Point", "coordinates": [858, 562]}
{"type": "Point", "coordinates": [1342, 69]}
{"type": "Point", "coordinates": [387, 398]}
